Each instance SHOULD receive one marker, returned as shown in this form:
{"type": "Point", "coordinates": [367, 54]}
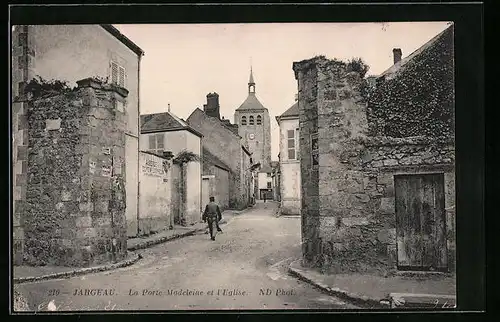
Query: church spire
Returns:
{"type": "Point", "coordinates": [251, 82]}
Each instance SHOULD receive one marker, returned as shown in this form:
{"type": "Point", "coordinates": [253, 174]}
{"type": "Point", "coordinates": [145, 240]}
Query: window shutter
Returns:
{"type": "Point", "coordinates": [152, 142]}
{"type": "Point", "coordinates": [121, 76]}
{"type": "Point", "coordinates": [159, 141]}
{"type": "Point", "coordinates": [114, 73]}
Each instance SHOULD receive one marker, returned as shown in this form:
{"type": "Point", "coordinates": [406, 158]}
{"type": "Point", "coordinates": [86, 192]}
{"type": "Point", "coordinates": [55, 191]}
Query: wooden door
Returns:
{"type": "Point", "coordinates": [420, 222]}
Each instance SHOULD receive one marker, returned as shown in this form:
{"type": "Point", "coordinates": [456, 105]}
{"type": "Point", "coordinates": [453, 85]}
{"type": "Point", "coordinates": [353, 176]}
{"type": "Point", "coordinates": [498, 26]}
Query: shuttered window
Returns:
{"type": "Point", "coordinates": [118, 74]}
{"type": "Point", "coordinates": [156, 143]}
{"type": "Point", "coordinates": [291, 144]}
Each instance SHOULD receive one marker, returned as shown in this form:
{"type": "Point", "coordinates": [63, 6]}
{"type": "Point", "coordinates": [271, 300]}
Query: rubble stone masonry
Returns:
{"type": "Point", "coordinates": [23, 55]}
{"type": "Point", "coordinates": [75, 201]}
{"type": "Point", "coordinates": [348, 211]}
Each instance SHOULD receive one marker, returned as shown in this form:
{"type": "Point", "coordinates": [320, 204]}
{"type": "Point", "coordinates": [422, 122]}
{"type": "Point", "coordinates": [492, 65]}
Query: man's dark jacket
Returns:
{"type": "Point", "coordinates": [212, 209]}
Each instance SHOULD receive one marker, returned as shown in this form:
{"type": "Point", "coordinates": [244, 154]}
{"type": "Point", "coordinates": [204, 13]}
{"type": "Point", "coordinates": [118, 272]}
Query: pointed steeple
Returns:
{"type": "Point", "coordinates": [251, 82]}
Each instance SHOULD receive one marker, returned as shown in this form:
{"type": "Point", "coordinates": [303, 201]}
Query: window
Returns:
{"type": "Point", "coordinates": [251, 122]}
{"type": "Point", "coordinates": [156, 143]}
{"type": "Point", "coordinates": [118, 74]}
{"type": "Point", "coordinates": [243, 120]}
{"type": "Point", "coordinates": [297, 142]}
{"type": "Point", "coordinates": [269, 185]}
{"type": "Point", "coordinates": [259, 120]}
{"type": "Point", "coordinates": [291, 145]}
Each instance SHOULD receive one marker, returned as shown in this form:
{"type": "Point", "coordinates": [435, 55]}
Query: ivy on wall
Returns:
{"type": "Point", "coordinates": [39, 87]}
{"type": "Point", "coordinates": [419, 100]}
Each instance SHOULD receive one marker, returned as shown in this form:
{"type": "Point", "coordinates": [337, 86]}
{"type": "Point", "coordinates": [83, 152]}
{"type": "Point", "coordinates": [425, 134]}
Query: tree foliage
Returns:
{"type": "Point", "coordinates": [358, 65]}
{"type": "Point", "coordinates": [185, 156]}
{"type": "Point", "coordinates": [39, 87]}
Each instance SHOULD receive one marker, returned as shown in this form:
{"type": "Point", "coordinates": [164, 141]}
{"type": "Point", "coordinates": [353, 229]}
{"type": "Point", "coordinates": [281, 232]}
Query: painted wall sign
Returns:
{"type": "Point", "coordinates": [106, 171]}
{"type": "Point", "coordinates": [153, 168]}
{"type": "Point", "coordinates": [120, 107]}
{"type": "Point", "coordinates": [92, 166]}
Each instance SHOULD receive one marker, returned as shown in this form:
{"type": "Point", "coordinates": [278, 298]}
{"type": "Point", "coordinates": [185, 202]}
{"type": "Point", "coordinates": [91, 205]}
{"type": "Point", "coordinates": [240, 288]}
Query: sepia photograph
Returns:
{"type": "Point", "coordinates": [233, 166]}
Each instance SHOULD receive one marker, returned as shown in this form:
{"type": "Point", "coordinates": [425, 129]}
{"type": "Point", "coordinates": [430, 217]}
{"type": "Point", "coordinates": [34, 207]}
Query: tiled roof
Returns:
{"type": "Point", "coordinates": [162, 121]}
{"type": "Point", "coordinates": [251, 103]}
{"type": "Point", "coordinates": [292, 111]}
{"type": "Point", "coordinates": [208, 156]}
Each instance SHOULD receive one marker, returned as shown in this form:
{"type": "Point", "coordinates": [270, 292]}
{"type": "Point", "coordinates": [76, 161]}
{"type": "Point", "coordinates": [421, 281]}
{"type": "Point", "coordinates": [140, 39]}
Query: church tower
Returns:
{"type": "Point", "coordinates": [254, 125]}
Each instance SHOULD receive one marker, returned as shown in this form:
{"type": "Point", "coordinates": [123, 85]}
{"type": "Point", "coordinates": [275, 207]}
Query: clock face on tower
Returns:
{"type": "Point", "coordinates": [251, 136]}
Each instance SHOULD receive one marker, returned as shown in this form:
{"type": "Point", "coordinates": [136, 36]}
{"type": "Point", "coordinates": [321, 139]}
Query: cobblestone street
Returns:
{"type": "Point", "coordinates": [245, 268]}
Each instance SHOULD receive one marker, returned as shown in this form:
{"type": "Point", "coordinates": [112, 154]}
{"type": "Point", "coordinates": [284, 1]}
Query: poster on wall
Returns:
{"type": "Point", "coordinates": [314, 150]}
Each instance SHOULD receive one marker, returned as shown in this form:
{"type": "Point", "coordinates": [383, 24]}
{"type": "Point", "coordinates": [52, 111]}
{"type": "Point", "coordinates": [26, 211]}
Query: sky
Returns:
{"type": "Point", "coordinates": [185, 62]}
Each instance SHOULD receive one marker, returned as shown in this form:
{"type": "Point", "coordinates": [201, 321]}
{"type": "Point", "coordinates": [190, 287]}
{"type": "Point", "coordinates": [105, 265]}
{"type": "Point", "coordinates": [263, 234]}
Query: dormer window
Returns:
{"type": "Point", "coordinates": [243, 120]}
{"type": "Point", "coordinates": [251, 122]}
{"type": "Point", "coordinates": [259, 120]}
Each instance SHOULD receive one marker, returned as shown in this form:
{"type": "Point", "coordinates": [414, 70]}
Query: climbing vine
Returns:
{"type": "Point", "coordinates": [40, 87]}
{"type": "Point", "coordinates": [419, 100]}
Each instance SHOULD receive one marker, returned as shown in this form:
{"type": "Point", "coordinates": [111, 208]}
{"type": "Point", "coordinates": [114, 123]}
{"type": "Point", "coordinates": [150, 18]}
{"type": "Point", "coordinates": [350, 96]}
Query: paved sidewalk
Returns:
{"type": "Point", "coordinates": [372, 291]}
{"type": "Point", "coordinates": [24, 274]}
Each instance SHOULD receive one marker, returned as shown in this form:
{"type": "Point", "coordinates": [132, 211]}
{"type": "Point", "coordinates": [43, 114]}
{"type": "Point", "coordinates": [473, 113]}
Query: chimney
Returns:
{"type": "Point", "coordinates": [397, 53]}
{"type": "Point", "coordinates": [168, 107]}
{"type": "Point", "coordinates": [296, 97]}
{"type": "Point", "coordinates": [212, 106]}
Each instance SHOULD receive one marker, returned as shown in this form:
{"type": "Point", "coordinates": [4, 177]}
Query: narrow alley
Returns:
{"type": "Point", "coordinates": [245, 268]}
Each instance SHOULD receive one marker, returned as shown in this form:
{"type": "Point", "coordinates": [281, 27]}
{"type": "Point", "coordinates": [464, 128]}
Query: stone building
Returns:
{"type": "Point", "coordinates": [377, 166]}
{"type": "Point", "coordinates": [215, 180]}
{"type": "Point", "coordinates": [161, 132]}
{"type": "Point", "coordinates": [254, 125]}
{"type": "Point", "coordinates": [74, 211]}
{"type": "Point", "coordinates": [70, 53]}
{"type": "Point", "coordinates": [221, 139]}
{"type": "Point", "coordinates": [265, 183]}
{"type": "Point", "coordinates": [290, 190]}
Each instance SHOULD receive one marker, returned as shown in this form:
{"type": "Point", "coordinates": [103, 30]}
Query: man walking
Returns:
{"type": "Point", "coordinates": [213, 215]}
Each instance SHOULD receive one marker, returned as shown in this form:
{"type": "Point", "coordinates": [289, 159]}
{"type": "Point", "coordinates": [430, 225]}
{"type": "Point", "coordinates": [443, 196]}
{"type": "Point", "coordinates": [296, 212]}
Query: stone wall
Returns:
{"type": "Point", "coordinates": [226, 146]}
{"type": "Point", "coordinates": [307, 77]}
{"type": "Point", "coordinates": [348, 212]}
{"type": "Point", "coordinates": [219, 180]}
{"type": "Point", "coordinates": [75, 208]}
{"type": "Point", "coordinates": [219, 184]}
{"type": "Point", "coordinates": [246, 180]}
{"type": "Point", "coordinates": [23, 61]}
{"type": "Point", "coordinates": [156, 188]}
{"type": "Point", "coordinates": [385, 158]}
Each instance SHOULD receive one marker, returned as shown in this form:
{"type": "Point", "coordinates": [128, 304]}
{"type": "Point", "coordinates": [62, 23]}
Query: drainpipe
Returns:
{"type": "Point", "coordinates": [138, 140]}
